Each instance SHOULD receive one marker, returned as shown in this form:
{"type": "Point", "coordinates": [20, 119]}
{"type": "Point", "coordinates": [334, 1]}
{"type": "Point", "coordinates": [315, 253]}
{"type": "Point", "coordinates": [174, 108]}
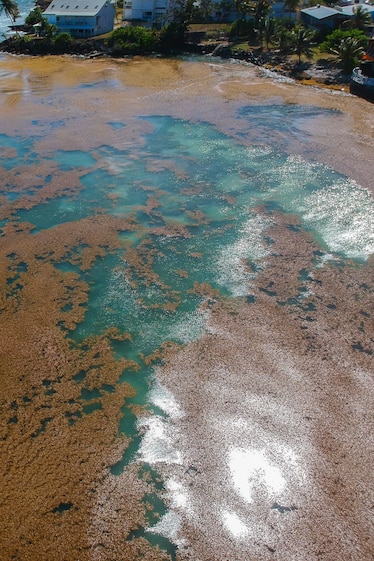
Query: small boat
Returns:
{"type": "Point", "coordinates": [362, 79]}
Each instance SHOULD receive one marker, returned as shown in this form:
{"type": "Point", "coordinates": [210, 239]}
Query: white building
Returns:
{"type": "Point", "coordinates": [324, 17]}
{"type": "Point", "coordinates": [81, 18]}
{"type": "Point", "coordinates": [156, 10]}
{"type": "Point", "coordinates": [145, 10]}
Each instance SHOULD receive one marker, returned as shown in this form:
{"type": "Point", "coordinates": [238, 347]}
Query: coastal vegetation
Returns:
{"type": "Point", "coordinates": [132, 40]}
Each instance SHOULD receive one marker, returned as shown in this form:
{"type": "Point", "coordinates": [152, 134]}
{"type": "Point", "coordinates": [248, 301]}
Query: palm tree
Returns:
{"type": "Point", "coordinates": [283, 40]}
{"type": "Point", "coordinates": [302, 42]}
{"type": "Point", "coordinates": [360, 19]}
{"type": "Point", "coordinates": [348, 53]}
{"type": "Point", "coordinates": [10, 7]}
{"type": "Point", "coordinates": [259, 10]}
{"type": "Point", "coordinates": [269, 30]}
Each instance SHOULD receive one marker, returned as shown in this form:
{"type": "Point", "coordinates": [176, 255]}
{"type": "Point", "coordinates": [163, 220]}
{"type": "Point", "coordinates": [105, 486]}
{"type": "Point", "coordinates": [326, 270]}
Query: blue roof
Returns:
{"type": "Point", "coordinates": [320, 12]}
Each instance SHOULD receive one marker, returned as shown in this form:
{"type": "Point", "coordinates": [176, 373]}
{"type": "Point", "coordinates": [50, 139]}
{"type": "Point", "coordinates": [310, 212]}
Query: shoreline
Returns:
{"type": "Point", "coordinates": [241, 82]}
{"type": "Point", "coordinates": [306, 73]}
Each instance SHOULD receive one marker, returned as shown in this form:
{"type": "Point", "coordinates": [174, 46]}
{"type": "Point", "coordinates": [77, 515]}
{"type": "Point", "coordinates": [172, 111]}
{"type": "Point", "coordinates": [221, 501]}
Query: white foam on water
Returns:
{"type": "Point", "coordinates": [303, 295]}
{"type": "Point", "coordinates": [119, 294]}
{"type": "Point", "coordinates": [169, 526]}
{"type": "Point", "coordinates": [292, 177]}
{"type": "Point", "coordinates": [234, 524]}
{"type": "Point", "coordinates": [325, 258]}
{"type": "Point", "coordinates": [165, 400]}
{"type": "Point", "coordinates": [152, 293]}
{"type": "Point", "coordinates": [275, 76]}
{"type": "Point", "coordinates": [188, 326]}
{"type": "Point", "coordinates": [157, 443]}
{"type": "Point", "coordinates": [341, 212]}
{"type": "Point", "coordinates": [117, 166]}
{"type": "Point", "coordinates": [178, 496]}
{"type": "Point", "coordinates": [231, 263]}
{"type": "Point", "coordinates": [250, 468]}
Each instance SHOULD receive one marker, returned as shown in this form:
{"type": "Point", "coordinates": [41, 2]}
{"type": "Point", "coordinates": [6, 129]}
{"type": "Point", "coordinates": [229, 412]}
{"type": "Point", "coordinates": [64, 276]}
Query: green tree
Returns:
{"type": "Point", "coordinates": [10, 8]}
{"type": "Point", "coordinates": [34, 17]}
{"type": "Point", "coordinates": [242, 28]}
{"type": "Point", "coordinates": [259, 10]}
{"type": "Point", "coordinates": [49, 29]}
{"type": "Point", "coordinates": [361, 18]}
{"type": "Point", "coordinates": [334, 39]}
{"type": "Point", "coordinates": [270, 30]}
{"type": "Point", "coordinates": [181, 14]}
{"type": "Point", "coordinates": [259, 28]}
{"type": "Point", "coordinates": [284, 40]}
{"type": "Point", "coordinates": [348, 53]}
{"type": "Point", "coordinates": [302, 42]}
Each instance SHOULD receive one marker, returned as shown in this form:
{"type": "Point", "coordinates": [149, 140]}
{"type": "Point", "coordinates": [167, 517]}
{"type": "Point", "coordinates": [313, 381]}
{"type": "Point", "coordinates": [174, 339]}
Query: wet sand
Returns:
{"type": "Point", "coordinates": [287, 390]}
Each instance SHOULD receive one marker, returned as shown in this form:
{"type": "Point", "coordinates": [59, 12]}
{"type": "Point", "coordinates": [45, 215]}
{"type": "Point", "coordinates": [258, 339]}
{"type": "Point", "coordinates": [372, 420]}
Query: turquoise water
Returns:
{"type": "Point", "coordinates": [195, 233]}
{"type": "Point", "coordinates": [333, 207]}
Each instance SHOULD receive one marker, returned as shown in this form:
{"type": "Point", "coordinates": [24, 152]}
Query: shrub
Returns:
{"type": "Point", "coordinates": [348, 53]}
{"type": "Point", "coordinates": [22, 44]}
{"type": "Point", "coordinates": [334, 39]}
{"type": "Point", "coordinates": [63, 43]}
{"type": "Point", "coordinates": [242, 28]}
{"type": "Point", "coordinates": [132, 40]}
{"type": "Point", "coordinates": [171, 36]}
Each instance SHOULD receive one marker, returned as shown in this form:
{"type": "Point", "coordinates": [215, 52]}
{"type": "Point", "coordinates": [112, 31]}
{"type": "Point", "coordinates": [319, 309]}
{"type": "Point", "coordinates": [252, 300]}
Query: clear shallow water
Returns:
{"type": "Point", "coordinates": [203, 226]}
{"type": "Point", "coordinates": [334, 208]}
{"type": "Point", "coordinates": [285, 119]}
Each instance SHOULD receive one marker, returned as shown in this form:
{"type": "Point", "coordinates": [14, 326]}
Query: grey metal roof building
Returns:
{"type": "Point", "coordinates": [81, 18]}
